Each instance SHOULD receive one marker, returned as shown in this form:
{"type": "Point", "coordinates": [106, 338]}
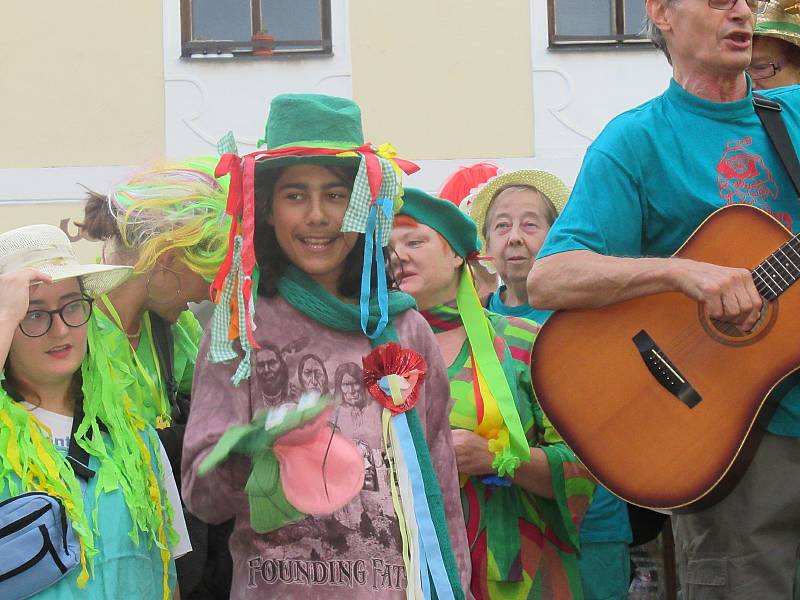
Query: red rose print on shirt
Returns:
{"type": "Point", "coordinates": [743, 178]}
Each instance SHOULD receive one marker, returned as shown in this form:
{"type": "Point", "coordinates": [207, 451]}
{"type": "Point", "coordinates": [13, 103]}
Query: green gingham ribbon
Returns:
{"type": "Point", "coordinates": [221, 348]}
{"type": "Point", "coordinates": [357, 214]}
{"type": "Point", "coordinates": [227, 144]}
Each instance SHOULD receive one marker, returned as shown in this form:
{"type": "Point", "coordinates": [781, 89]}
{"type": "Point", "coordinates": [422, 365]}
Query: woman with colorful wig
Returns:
{"type": "Point", "coordinates": [168, 223]}
{"type": "Point", "coordinates": [69, 431]}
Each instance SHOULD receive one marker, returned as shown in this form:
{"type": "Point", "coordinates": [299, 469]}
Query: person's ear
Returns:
{"type": "Point", "coordinates": [657, 12]}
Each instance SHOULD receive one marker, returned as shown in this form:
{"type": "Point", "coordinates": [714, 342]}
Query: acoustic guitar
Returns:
{"type": "Point", "coordinates": [660, 402]}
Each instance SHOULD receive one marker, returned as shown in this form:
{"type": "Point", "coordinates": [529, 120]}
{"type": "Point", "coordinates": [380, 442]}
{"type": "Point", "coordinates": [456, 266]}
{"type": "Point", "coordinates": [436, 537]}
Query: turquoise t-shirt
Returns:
{"type": "Point", "coordinates": [123, 567]}
{"type": "Point", "coordinates": [606, 520]}
{"type": "Point", "coordinates": [657, 171]}
{"type": "Point", "coordinates": [524, 311]}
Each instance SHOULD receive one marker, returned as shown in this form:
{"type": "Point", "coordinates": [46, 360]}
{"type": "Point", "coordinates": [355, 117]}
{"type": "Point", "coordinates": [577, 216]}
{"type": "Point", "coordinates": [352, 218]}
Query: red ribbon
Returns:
{"type": "Point", "coordinates": [474, 255]}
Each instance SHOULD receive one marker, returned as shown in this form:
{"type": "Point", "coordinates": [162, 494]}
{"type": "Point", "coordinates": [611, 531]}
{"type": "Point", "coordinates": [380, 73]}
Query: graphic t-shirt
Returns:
{"type": "Point", "coordinates": [657, 171]}
{"type": "Point", "coordinates": [60, 427]}
{"type": "Point", "coordinates": [355, 552]}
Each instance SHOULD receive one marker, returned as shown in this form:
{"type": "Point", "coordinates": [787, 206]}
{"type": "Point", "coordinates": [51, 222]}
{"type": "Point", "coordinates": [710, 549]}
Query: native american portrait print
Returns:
{"type": "Point", "coordinates": [312, 375]}
{"type": "Point", "coordinates": [331, 550]}
{"type": "Point", "coordinates": [744, 178]}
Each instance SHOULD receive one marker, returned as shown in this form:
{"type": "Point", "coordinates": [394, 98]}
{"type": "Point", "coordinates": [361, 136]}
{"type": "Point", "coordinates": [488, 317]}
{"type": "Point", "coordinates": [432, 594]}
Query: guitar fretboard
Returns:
{"type": "Point", "coordinates": [779, 271]}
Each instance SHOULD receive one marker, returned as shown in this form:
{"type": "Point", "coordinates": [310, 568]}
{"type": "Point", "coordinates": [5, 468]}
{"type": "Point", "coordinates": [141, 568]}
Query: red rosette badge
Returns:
{"type": "Point", "coordinates": [393, 376]}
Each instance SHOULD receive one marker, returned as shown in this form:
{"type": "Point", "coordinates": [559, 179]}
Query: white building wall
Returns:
{"type": "Point", "coordinates": [574, 94]}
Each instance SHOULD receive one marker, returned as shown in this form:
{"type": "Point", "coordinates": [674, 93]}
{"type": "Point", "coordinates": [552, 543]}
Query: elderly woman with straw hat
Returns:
{"type": "Point", "coordinates": [76, 461]}
{"type": "Point", "coordinates": [514, 212]}
{"type": "Point", "coordinates": [776, 46]}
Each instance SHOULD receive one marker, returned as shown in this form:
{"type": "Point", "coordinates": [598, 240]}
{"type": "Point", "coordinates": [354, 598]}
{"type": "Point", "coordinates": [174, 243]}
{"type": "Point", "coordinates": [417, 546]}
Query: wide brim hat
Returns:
{"type": "Point", "coordinates": [309, 121]}
{"type": "Point", "coordinates": [779, 23]}
{"type": "Point", "coordinates": [477, 204]}
{"type": "Point", "coordinates": [47, 249]}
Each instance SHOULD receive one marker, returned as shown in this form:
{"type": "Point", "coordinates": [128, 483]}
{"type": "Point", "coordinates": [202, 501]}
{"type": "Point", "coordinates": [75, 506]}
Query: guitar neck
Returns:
{"type": "Point", "coordinates": [779, 270]}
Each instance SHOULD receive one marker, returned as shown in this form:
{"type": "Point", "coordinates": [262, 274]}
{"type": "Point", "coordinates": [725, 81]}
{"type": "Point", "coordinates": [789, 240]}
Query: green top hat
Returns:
{"type": "Point", "coordinates": [312, 121]}
{"type": "Point", "coordinates": [454, 226]}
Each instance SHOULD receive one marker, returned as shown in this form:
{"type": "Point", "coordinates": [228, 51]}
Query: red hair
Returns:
{"type": "Point", "coordinates": [407, 221]}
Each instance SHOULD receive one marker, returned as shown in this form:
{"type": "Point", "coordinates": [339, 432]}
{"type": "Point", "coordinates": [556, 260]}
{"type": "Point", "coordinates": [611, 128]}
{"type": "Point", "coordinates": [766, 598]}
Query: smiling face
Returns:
{"type": "Point", "coordinates": [780, 53]}
{"type": "Point", "coordinates": [423, 264]}
{"type": "Point", "coordinates": [53, 358]}
{"type": "Point", "coordinates": [705, 41]}
{"type": "Point", "coordinates": [308, 206]}
{"type": "Point", "coordinates": [516, 225]}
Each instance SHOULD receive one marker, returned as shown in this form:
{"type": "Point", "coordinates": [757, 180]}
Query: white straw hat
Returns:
{"type": "Point", "coordinates": [47, 249]}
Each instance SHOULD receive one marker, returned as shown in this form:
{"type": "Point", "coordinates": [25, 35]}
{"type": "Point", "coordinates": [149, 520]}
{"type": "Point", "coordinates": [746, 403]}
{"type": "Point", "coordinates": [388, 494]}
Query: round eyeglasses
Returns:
{"type": "Point", "coordinates": [763, 71]}
{"type": "Point", "coordinates": [758, 7]}
{"type": "Point", "coordinates": [74, 314]}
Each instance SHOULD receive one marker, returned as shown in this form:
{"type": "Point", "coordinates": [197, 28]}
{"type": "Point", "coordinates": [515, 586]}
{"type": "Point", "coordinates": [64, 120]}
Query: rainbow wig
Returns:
{"type": "Point", "coordinates": [179, 205]}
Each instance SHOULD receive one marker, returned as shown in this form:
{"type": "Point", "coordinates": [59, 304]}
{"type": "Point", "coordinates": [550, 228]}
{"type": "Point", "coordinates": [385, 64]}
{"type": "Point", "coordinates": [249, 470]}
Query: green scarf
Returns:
{"type": "Point", "coordinates": [308, 297]}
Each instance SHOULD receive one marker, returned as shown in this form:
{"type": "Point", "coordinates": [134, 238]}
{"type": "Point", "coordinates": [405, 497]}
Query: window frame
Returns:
{"type": "Point", "coordinates": [619, 39]}
{"type": "Point", "coordinates": [245, 48]}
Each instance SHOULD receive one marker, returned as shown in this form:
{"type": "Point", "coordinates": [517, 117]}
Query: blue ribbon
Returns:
{"type": "Point", "coordinates": [496, 481]}
{"type": "Point", "coordinates": [432, 563]}
{"type": "Point", "coordinates": [370, 248]}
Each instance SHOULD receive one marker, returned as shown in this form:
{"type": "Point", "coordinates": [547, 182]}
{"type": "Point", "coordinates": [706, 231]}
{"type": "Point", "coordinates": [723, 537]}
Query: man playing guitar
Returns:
{"type": "Point", "coordinates": [648, 181]}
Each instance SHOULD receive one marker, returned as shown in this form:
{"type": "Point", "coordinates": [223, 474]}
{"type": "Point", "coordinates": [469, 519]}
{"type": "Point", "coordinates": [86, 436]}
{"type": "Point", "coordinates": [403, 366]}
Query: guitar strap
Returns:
{"type": "Point", "coordinates": [770, 114]}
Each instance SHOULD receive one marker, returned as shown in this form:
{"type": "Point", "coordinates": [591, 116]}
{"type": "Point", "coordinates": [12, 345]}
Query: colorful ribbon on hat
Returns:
{"type": "Point", "coordinates": [240, 271]}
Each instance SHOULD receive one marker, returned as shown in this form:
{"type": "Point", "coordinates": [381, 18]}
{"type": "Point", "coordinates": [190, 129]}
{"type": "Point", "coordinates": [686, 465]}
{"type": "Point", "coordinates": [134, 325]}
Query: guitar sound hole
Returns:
{"type": "Point", "coordinates": [730, 334]}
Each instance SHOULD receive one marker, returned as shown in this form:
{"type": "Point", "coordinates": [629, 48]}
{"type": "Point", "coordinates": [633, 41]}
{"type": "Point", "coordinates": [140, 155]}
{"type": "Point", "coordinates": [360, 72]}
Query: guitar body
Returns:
{"type": "Point", "coordinates": [651, 444]}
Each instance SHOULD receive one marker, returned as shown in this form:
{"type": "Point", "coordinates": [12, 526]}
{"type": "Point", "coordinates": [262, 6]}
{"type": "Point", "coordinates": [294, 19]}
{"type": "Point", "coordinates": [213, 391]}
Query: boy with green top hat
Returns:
{"type": "Point", "coordinates": [522, 489]}
{"type": "Point", "coordinates": [305, 278]}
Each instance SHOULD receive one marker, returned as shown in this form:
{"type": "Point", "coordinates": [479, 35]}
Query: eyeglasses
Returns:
{"type": "Point", "coordinates": [74, 314]}
{"type": "Point", "coordinates": [758, 7]}
{"type": "Point", "coordinates": [763, 71]}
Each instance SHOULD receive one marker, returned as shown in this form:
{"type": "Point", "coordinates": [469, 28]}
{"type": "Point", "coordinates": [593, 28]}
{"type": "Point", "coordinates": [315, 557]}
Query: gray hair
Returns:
{"type": "Point", "coordinates": [655, 35]}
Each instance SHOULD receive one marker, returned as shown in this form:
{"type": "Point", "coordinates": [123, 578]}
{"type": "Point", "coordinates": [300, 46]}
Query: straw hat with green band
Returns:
{"type": "Point", "coordinates": [477, 204]}
{"type": "Point", "coordinates": [460, 232]}
{"type": "Point", "coordinates": [781, 20]}
{"type": "Point", "coordinates": [303, 129]}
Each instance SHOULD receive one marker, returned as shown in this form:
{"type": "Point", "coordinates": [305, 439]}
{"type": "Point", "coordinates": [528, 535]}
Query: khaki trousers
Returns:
{"type": "Point", "coordinates": [747, 547]}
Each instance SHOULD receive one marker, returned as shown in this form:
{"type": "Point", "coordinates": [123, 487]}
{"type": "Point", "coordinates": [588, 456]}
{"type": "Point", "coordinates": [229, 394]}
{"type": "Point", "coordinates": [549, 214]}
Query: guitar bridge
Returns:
{"type": "Point", "coordinates": [664, 371]}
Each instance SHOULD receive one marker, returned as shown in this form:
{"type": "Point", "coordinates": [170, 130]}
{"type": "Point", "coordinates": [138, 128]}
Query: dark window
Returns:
{"type": "Point", "coordinates": [255, 27]}
{"type": "Point", "coordinates": [582, 23]}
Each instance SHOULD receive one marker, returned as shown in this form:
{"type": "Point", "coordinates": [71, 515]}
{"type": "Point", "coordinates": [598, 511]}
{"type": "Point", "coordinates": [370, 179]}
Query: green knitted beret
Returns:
{"type": "Point", "coordinates": [444, 217]}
